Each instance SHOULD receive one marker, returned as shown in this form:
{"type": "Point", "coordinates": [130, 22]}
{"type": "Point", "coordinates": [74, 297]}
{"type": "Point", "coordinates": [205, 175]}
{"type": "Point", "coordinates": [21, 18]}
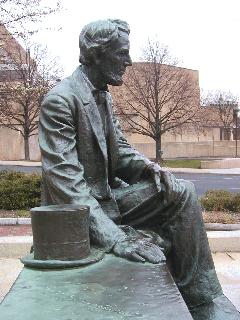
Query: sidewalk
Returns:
{"type": "Point", "coordinates": [177, 170]}
{"type": "Point", "coordinates": [213, 171]}
{"type": "Point", "coordinates": [20, 163]}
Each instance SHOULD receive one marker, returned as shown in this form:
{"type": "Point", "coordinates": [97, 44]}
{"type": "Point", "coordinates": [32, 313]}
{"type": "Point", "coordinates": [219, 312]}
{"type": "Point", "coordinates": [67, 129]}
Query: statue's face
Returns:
{"type": "Point", "coordinates": [112, 63]}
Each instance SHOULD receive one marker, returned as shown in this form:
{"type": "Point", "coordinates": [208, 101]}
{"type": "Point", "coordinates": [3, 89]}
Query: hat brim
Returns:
{"type": "Point", "coordinates": [29, 261]}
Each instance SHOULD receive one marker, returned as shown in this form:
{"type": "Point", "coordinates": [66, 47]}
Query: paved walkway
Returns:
{"type": "Point", "coordinates": [17, 230]}
{"type": "Point", "coordinates": [228, 270]}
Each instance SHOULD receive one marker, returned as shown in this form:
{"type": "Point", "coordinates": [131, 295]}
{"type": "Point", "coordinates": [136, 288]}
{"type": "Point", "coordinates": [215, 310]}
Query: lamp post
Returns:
{"type": "Point", "coordinates": [235, 119]}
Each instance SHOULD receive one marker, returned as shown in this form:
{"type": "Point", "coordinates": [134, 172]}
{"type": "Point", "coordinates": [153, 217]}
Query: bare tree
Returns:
{"type": "Point", "coordinates": [221, 106]}
{"type": "Point", "coordinates": [158, 96]}
{"type": "Point", "coordinates": [21, 15]}
{"type": "Point", "coordinates": [23, 88]}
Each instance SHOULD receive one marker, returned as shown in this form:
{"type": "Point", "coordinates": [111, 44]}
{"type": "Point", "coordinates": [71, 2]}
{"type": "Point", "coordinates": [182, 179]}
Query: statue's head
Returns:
{"type": "Point", "coordinates": [104, 45]}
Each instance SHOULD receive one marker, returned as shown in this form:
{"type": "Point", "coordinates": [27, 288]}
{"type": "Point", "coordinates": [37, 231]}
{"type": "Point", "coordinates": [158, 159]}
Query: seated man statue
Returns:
{"type": "Point", "coordinates": [86, 160]}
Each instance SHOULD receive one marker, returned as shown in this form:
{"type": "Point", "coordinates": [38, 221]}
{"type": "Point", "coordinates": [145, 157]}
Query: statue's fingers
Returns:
{"type": "Point", "coordinates": [171, 183]}
{"type": "Point", "coordinates": [168, 179]}
{"type": "Point", "coordinates": [148, 255]}
{"type": "Point", "coordinates": [154, 251]}
{"type": "Point", "coordinates": [167, 183]}
{"type": "Point", "coordinates": [157, 181]}
{"type": "Point", "coordinates": [174, 184]}
{"type": "Point", "coordinates": [158, 252]}
{"type": "Point", "coordinates": [134, 256]}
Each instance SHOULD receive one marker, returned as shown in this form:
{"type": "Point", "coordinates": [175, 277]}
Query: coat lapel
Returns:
{"type": "Point", "coordinates": [84, 93]}
{"type": "Point", "coordinates": [113, 145]}
{"type": "Point", "coordinates": [96, 123]}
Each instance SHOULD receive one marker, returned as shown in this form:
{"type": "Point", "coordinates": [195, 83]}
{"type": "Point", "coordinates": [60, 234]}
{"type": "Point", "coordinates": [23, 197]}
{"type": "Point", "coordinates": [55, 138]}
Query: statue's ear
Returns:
{"type": "Point", "coordinates": [97, 57]}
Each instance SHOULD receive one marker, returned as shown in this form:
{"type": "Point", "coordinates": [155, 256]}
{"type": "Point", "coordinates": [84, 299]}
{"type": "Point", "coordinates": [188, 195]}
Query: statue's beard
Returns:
{"type": "Point", "coordinates": [114, 79]}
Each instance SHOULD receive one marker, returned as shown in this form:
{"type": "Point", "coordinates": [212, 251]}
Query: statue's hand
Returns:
{"type": "Point", "coordinates": [155, 172]}
{"type": "Point", "coordinates": [139, 250]}
{"type": "Point", "coordinates": [172, 188]}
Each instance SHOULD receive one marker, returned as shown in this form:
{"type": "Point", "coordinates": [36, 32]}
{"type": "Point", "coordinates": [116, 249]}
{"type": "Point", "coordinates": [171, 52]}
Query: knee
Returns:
{"type": "Point", "coordinates": [188, 189]}
{"type": "Point", "coordinates": [188, 202]}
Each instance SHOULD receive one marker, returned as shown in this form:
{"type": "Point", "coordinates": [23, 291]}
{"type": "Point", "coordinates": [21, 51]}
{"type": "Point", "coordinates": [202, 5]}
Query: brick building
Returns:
{"type": "Point", "coordinates": [14, 63]}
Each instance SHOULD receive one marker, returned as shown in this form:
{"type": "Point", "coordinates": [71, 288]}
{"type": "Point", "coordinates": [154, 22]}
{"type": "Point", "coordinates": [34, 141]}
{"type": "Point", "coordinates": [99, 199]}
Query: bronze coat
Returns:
{"type": "Point", "coordinates": [74, 151]}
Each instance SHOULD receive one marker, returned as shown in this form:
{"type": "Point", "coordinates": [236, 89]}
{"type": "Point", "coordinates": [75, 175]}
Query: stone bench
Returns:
{"type": "Point", "coordinates": [113, 288]}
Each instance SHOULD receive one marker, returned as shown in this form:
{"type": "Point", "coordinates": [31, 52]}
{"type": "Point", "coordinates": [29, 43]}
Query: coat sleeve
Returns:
{"type": "Point", "coordinates": [63, 173]}
{"type": "Point", "coordinates": [131, 163]}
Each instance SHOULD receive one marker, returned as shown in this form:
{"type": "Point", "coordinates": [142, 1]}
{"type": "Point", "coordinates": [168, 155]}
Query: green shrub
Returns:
{"type": "Point", "coordinates": [19, 190]}
{"type": "Point", "coordinates": [221, 200]}
{"type": "Point", "coordinates": [237, 202]}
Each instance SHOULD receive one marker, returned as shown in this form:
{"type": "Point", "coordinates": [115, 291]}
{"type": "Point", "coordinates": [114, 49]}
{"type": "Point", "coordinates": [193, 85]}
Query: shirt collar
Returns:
{"type": "Point", "coordinates": [93, 89]}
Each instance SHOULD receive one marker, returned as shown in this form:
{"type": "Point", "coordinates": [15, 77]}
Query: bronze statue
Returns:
{"type": "Point", "coordinates": [86, 160]}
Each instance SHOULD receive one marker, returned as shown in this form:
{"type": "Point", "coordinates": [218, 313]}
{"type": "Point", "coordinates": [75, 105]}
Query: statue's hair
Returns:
{"type": "Point", "coordinates": [97, 35]}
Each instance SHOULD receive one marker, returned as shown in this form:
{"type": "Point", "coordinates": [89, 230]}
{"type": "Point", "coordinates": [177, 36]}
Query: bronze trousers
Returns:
{"type": "Point", "coordinates": [180, 224]}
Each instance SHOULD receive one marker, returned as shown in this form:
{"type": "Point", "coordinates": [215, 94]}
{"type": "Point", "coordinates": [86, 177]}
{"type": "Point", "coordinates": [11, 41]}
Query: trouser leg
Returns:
{"type": "Point", "coordinates": [189, 259]}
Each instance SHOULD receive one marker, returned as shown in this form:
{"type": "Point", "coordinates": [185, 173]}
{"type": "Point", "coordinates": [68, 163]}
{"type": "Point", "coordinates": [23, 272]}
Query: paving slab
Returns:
{"type": "Point", "coordinates": [224, 241]}
{"type": "Point", "coordinates": [234, 255]}
{"type": "Point", "coordinates": [228, 269]}
{"type": "Point", "coordinates": [9, 271]}
{"type": "Point", "coordinates": [15, 247]}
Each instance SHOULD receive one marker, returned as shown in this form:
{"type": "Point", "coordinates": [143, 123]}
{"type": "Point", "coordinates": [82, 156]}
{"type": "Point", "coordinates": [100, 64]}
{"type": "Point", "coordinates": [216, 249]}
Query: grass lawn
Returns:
{"type": "Point", "coordinates": [182, 163]}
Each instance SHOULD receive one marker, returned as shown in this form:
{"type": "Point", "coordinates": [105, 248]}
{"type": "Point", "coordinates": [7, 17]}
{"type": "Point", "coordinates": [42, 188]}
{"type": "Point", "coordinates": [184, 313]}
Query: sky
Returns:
{"type": "Point", "coordinates": [203, 34]}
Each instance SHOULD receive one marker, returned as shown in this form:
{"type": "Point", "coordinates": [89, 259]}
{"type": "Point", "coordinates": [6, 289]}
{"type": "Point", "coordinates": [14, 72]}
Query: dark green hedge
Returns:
{"type": "Point", "coordinates": [19, 190]}
{"type": "Point", "coordinates": [221, 200]}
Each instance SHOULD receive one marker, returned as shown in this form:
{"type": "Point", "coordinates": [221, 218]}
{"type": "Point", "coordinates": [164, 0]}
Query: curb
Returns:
{"type": "Point", "coordinates": [232, 171]}
{"type": "Point", "coordinates": [14, 221]}
{"type": "Point", "coordinates": [20, 163]}
{"type": "Point", "coordinates": [208, 226]}
{"type": "Point", "coordinates": [222, 227]}
{"type": "Point", "coordinates": [224, 241]}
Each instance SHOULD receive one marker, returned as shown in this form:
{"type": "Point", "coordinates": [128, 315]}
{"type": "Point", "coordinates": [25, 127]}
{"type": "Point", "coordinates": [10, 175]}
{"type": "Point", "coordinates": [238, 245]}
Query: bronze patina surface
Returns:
{"type": "Point", "coordinates": [113, 288]}
{"type": "Point", "coordinates": [94, 256]}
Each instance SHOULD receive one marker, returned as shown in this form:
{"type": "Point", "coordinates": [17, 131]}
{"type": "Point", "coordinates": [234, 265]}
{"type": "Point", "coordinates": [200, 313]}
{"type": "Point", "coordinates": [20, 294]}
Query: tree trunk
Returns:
{"type": "Point", "coordinates": [159, 152]}
{"type": "Point", "coordinates": [228, 131]}
{"type": "Point", "coordinates": [26, 148]}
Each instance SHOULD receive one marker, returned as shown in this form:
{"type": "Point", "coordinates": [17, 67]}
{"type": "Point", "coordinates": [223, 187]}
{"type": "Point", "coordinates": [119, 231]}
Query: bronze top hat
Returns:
{"type": "Point", "coordinates": [61, 237]}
